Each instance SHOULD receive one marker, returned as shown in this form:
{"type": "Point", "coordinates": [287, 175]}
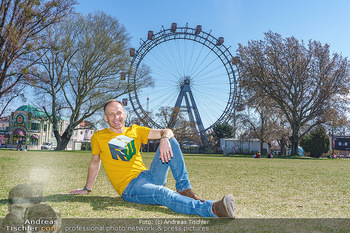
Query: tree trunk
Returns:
{"type": "Point", "coordinates": [64, 140]}
{"type": "Point", "coordinates": [283, 149]}
{"type": "Point", "coordinates": [282, 144]}
{"type": "Point", "coordinates": [261, 147]}
{"type": "Point", "coordinates": [63, 144]}
{"type": "Point", "coordinates": [295, 139]}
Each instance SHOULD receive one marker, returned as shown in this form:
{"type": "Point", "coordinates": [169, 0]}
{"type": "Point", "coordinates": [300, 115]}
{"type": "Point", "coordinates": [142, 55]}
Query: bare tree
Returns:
{"type": "Point", "coordinates": [21, 24]}
{"type": "Point", "coordinates": [261, 118]}
{"type": "Point", "coordinates": [10, 95]}
{"type": "Point", "coordinates": [83, 69]}
{"type": "Point", "coordinates": [281, 132]}
{"type": "Point", "coordinates": [259, 125]}
{"type": "Point", "coordinates": [303, 80]}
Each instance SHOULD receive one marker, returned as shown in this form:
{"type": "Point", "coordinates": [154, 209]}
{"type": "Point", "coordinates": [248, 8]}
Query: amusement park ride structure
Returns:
{"type": "Point", "coordinates": [185, 82]}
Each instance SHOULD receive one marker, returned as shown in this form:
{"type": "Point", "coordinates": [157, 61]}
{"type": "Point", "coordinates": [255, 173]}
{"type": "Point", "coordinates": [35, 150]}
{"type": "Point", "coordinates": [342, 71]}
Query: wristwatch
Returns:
{"type": "Point", "coordinates": [89, 190]}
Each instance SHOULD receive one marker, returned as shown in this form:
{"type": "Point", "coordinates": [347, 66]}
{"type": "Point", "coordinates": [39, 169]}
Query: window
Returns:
{"type": "Point", "coordinates": [35, 126]}
{"type": "Point", "coordinates": [33, 141]}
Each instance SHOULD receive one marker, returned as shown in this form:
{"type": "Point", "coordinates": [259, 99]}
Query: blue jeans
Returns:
{"type": "Point", "coordinates": [148, 188]}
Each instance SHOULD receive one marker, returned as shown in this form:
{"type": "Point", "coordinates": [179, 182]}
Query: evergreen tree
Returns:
{"type": "Point", "coordinates": [223, 130]}
{"type": "Point", "coordinates": [316, 143]}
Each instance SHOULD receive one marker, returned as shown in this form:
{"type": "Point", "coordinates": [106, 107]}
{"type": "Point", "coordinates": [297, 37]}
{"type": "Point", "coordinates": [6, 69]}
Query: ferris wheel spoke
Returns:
{"type": "Point", "coordinates": [210, 110]}
{"type": "Point", "coordinates": [212, 80]}
{"type": "Point", "coordinates": [180, 58]}
{"type": "Point", "coordinates": [188, 56]}
{"type": "Point", "coordinates": [157, 69]}
{"type": "Point", "coordinates": [162, 63]}
{"type": "Point", "coordinates": [211, 75]}
{"type": "Point", "coordinates": [185, 57]}
{"type": "Point", "coordinates": [216, 97]}
{"type": "Point", "coordinates": [199, 54]}
{"type": "Point", "coordinates": [164, 77]}
{"type": "Point", "coordinates": [189, 64]}
{"type": "Point", "coordinates": [159, 94]}
{"type": "Point", "coordinates": [175, 60]}
{"type": "Point", "coordinates": [163, 103]}
{"type": "Point", "coordinates": [218, 66]}
{"type": "Point", "coordinates": [200, 64]}
{"type": "Point", "coordinates": [208, 118]}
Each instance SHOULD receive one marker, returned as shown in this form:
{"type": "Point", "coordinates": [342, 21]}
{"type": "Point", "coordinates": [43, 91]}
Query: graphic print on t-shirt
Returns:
{"type": "Point", "coordinates": [122, 147]}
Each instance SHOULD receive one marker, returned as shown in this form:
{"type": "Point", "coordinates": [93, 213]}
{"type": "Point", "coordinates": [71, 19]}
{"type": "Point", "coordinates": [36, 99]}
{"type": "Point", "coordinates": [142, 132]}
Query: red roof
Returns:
{"type": "Point", "coordinates": [85, 124]}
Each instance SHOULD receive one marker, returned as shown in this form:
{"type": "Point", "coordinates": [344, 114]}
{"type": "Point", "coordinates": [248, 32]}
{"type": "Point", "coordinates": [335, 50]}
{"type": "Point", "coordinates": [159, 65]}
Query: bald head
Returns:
{"type": "Point", "coordinates": [111, 101]}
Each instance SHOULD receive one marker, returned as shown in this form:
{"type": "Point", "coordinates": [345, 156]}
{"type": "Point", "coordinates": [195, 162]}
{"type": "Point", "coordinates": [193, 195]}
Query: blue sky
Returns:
{"type": "Point", "coordinates": [238, 21]}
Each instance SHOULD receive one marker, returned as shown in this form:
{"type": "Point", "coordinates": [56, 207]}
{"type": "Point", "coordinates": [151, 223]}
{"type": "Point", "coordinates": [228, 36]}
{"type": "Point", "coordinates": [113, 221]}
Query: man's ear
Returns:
{"type": "Point", "coordinates": [104, 115]}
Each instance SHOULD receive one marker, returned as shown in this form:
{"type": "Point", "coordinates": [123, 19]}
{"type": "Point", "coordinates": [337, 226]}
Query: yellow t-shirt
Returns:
{"type": "Point", "coordinates": [120, 153]}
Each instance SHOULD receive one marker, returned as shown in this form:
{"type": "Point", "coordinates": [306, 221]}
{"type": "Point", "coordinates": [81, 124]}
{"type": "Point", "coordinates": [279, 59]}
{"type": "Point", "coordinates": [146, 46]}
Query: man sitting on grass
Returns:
{"type": "Point", "coordinates": [119, 150]}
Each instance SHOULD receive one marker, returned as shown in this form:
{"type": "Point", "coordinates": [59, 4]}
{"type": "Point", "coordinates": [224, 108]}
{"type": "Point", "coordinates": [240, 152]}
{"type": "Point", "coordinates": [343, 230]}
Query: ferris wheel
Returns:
{"type": "Point", "coordinates": [192, 71]}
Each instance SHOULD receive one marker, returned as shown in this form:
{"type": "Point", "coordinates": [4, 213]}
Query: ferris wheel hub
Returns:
{"type": "Point", "coordinates": [186, 80]}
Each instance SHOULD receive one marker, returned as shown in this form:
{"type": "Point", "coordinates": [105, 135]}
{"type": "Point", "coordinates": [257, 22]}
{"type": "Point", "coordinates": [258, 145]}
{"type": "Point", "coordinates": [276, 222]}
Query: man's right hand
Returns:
{"type": "Point", "coordinates": [79, 191]}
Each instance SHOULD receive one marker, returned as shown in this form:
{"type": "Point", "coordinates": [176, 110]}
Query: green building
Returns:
{"type": "Point", "coordinates": [30, 127]}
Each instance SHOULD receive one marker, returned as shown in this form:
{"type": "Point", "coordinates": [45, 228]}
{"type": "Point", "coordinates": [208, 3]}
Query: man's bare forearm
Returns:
{"type": "Point", "coordinates": [167, 133]}
{"type": "Point", "coordinates": [93, 170]}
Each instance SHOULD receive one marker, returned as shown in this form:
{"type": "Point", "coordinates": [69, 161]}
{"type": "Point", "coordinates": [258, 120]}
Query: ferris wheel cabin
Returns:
{"type": "Point", "coordinates": [122, 76]}
{"type": "Point", "coordinates": [235, 60]}
{"type": "Point", "coordinates": [220, 41]}
{"type": "Point", "coordinates": [198, 29]}
{"type": "Point", "coordinates": [132, 52]}
{"type": "Point", "coordinates": [125, 101]}
{"type": "Point", "coordinates": [173, 27]}
{"type": "Point", "coordinates": [150, 35]}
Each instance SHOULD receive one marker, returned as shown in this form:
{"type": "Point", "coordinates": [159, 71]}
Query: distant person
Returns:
{"type": "Point", "coordinates": [258, 155]}
{"type": "Point", "coordinates": [20, 147]}
{"type": "Point", "coordinates": [118, 147]}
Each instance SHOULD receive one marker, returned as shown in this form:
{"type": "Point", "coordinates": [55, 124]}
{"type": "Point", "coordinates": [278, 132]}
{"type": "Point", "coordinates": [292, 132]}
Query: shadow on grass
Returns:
{"type": "Point", "coordinates": [97, 202]}
{"type": "Point", "coordinates": [218, 156]}
{"type": "Point", "coordinates": [101, 202]}
{"type": "Point", "coordinates": [249, 156]}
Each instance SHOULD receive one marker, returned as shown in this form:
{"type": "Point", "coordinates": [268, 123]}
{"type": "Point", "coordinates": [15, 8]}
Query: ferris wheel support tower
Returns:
{"type": "Point", "coordinates": [191, 107]}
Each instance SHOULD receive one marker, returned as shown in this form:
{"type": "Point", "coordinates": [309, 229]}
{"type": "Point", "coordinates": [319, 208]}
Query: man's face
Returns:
{"type": "Point", "coordinates": [115, 116]}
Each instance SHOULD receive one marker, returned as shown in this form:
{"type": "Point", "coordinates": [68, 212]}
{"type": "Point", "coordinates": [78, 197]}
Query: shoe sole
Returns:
{"type": "Point", "coordinates": [230, 206]}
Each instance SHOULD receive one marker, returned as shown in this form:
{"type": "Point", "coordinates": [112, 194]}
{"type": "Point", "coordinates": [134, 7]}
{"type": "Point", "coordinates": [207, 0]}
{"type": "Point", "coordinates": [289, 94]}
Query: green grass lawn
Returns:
{"type": "Point", "coordinates": [263, 188]}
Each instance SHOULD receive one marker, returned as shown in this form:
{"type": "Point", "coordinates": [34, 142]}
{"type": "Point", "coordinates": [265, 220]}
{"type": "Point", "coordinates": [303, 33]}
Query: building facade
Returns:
{"type": "Point", "coordinates": [4, 128]}
{"type": "Point", "coordinates": [81, 136]}
{"type": "Point", "coordinates": [234, 146]}
{"type": "Point", "coordinates": [30, 128]}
